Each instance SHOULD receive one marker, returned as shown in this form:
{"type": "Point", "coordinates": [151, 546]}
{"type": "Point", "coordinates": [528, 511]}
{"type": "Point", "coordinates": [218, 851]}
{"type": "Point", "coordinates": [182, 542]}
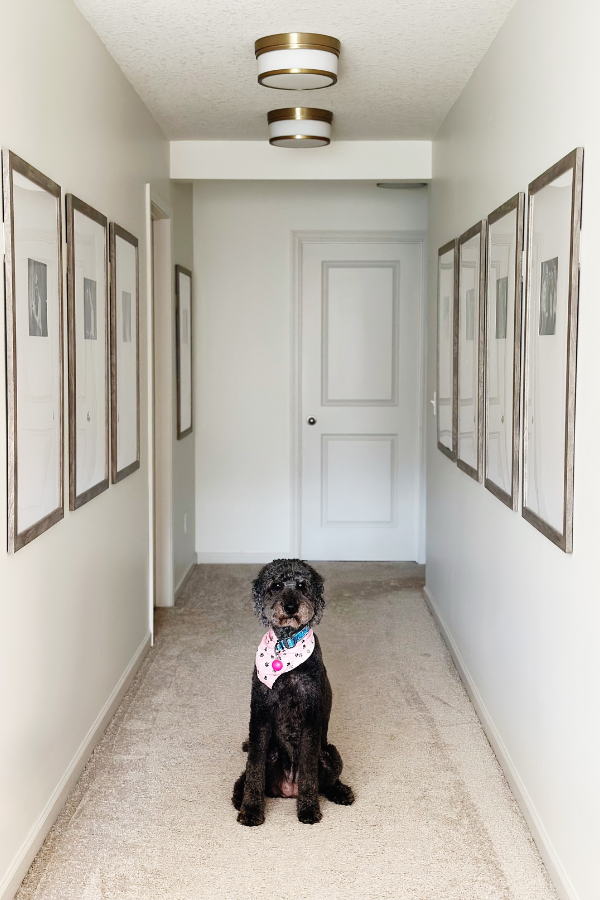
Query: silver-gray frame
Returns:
{"type": "Point", "coordinates": [74, 204]}
{"type": "Point", "coordinates": [114, 232]}
{"type": "Point", "coordinates": [181, 270]}
{"type": "Point", "coordinates": [13, 163]}
{"type": "Point", "coordinates": [573, 160]}
{"type": "Point", "coordinates": [515, 203]}
{"type": "Point", "coordinates": [451, 454]}
{"type": "Point", "coordinates": [479, 229]}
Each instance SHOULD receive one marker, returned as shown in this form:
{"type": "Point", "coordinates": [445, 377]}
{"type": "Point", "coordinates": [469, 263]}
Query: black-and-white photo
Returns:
{"type": "Point", "coordinates": [470, 314]}
{"type": "Point", "coordinates": [548, 295]}
{"type": "Point", "coordinates": [501, 306]}
{"type": "Point", "coordinates": [90, 326]}
{"type": "Point", "coordinates": [37, 286]}
{"type": "Point", "coordinates": [126, 306]}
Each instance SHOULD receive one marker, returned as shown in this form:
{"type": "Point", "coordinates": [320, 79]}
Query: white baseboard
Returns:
{"type": "Point", "coordinates": [183, 580]}
{"type": "Point", "coordinates": [239, 557]}
{"type": "Point", "coordinates": [556, 871]}
{"type": "Point", "coordinates": [34, 840]}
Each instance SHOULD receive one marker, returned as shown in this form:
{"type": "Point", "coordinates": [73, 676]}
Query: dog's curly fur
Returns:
{"type": "Point", "coordinates": [288, 753]}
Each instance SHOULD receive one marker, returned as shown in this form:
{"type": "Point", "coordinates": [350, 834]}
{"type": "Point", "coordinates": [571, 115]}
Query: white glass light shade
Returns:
{"type": "Point", "coordinates": [297, 61]}
{"type": "Point", "coordinates": [300, 127]}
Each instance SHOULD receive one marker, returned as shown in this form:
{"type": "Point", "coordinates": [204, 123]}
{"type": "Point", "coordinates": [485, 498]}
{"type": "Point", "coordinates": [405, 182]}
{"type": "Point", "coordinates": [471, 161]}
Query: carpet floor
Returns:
{"type": "Point", "coordinates": [434, 819]}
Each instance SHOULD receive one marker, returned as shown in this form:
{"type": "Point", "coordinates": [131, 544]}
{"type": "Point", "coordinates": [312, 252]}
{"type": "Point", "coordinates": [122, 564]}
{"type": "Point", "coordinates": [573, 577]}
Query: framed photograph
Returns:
{"type": "Point", "coordinates": [183, 346]}
{"type": "Point", "coordinates": [471, 331]}
{"type": "Point", "coordinates": [88, 350]}
{"type": "Point", "coordinates": [503, 350]}
{"type": "Point", "coordinates": [551, 308]}
{"type": "Point", "coordinates": [447, 349]}
{"type": "Point", "coordinates": [34, 350]}
{"type": "Point", "coordinates": [124, 353]}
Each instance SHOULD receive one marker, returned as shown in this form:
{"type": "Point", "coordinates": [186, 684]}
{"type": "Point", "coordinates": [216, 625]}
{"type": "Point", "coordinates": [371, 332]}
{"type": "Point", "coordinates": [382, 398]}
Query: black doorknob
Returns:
{"type": "Point", "coordinates": [311, 420]}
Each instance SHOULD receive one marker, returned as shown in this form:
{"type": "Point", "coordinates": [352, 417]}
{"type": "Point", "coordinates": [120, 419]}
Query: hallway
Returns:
{"type": "Point", "coordinates": [434, 819]}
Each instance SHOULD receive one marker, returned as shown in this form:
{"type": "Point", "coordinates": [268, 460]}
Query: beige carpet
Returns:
{"type": "Point", "coordinates": [434, 818]}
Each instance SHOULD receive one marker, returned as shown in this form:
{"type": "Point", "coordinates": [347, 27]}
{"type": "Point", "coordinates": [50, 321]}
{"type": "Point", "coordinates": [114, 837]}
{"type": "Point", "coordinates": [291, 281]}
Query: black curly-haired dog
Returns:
{"type": "Point", "coordinates": [288, 753]}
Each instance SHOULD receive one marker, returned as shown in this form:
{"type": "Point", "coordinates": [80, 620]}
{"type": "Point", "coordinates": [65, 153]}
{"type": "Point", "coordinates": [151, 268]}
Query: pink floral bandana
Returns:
{"type": "Point", "coordinates": [271, 663]}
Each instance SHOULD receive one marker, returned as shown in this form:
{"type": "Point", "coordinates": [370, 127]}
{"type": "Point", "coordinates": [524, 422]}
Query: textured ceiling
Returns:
{"type": "Point", "coordinates": [403, 62]}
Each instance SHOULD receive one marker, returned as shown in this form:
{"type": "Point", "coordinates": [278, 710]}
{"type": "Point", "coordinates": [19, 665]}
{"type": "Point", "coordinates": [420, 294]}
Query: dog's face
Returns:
{"type": "Point", "coordinates": [288, 593]}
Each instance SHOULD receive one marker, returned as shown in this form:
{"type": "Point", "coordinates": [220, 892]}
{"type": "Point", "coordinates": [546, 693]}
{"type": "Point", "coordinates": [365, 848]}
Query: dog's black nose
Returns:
{"type": "Point", "coordinates": [290, 605]}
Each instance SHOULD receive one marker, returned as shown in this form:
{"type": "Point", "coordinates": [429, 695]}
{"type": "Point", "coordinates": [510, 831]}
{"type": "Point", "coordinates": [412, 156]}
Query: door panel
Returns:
{"type": "Point", "coordinates": [368, 463]}
{"type": "Point", "coordinates": [361, 333]}
{"type": "Point", "coordinates": [359, 315]}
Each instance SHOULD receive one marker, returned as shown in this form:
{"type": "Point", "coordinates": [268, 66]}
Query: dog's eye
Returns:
{"type": "Point", "coordinates": [277, 586]}
{"type": "Point", "coordinates": [301, 584]}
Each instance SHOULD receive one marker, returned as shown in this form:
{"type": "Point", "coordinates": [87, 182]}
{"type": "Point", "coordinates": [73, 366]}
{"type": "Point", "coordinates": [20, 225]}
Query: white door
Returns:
{"type": "Point", "coordinates": [361, 399]}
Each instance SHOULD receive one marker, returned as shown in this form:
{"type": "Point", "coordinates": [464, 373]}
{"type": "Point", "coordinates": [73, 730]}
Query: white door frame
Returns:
{"type": "Point", "coordinates": [299, 239]}
{"type": "Point", "coordinates": [160, 403]}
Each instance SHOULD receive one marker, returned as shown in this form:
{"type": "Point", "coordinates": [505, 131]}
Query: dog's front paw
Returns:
{"type": "Point", "coordinates": [250, 816]}
{"type": "Point", "coordinates": [310, 815]}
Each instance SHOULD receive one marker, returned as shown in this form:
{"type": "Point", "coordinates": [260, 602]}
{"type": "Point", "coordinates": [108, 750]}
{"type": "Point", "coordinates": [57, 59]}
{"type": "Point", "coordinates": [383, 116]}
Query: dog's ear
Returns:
{"type": "Point", "coordinates": [258, 592]}
{"type": "Point", "coordinates": [318, 592]}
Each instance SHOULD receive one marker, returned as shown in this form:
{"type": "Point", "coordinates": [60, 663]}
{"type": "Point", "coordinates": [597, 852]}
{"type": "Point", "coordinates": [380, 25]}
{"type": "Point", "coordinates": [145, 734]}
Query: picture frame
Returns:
{"type": "Point", "coordinates": [34, 350]}
{"type": "Point", "coordinates": [471, 335]}
{"type": "Point", "coordinates": [447, 350]}
{"type": "Point", "coordinates": [184, 350]}
{"type": "Point", "coordinates": [88, 329]}
{"type": "Point", "coordinates": [502, 355]}
{"type": "Point", "coordinates": [124, 353]}
{"type": "Point", "coordinates": [550, 359]}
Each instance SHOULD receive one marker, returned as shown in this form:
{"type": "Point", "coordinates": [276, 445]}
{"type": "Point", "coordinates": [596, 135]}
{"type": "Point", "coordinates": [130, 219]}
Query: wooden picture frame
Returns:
{"type": "Point", "coordinates": [471, 337]}
{"type": "Point", "coordinates": [551, 316]}
{"type": "Point", "coordinates": [184, 351]}
{"type": "Point", "coordinates": [124, 361]}
{"type": "Point", "coordinates": [502, 353]}
{"type": "Point", "coordinates": [34, 350]}
{"type": "Point", "coordinates": [88, 328]}
{"type": "Point", "coordinates": [447, 350]}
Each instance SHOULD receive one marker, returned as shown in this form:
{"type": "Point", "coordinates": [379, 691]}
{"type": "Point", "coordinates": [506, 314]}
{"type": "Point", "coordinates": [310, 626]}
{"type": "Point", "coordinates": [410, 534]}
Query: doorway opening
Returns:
{"type": "Point", "coordinates": [160, 403]}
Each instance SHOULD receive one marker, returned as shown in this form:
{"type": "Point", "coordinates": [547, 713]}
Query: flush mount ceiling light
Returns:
{"type": "Point", "coordinates": [299, 127]}
{"type": "Point", "coordinates": [297, 61]}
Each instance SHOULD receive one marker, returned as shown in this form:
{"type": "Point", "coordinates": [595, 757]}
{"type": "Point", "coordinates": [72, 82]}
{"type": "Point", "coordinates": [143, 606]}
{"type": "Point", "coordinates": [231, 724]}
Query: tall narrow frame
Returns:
{"type": "Point", "coordinates": [516, 204]}
{"type": "Point", "coordinates": [73, 205]}
{"type": "Point", "coordinates": [115, 231]}
{"type": "Point", "coordinates": [480, 229]}
{"type": "Point", "coordinates": [451, 453]}
{"type": "Point", "coordinates": [574, 161]}
{"type": "Point", "coordinates": [11, 163]}
{"type": "Point", "coordinates": [181, 270]}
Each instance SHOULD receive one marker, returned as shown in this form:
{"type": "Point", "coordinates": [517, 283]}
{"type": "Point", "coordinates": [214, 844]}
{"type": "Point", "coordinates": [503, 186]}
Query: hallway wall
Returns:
{"type": "Point", "coordinates": [523, 616]}
{"type": "Point", "coordinates": [74, 602]}
{"type": "Point", "coordinates": [184, 462]}
{"type": "Point", "coordinates": [242, 264]}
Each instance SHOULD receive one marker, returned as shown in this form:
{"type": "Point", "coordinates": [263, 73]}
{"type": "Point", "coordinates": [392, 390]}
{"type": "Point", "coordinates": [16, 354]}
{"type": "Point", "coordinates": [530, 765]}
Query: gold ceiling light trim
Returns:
{"type": "Point", "coordinates": [323, 141]}
{"type": "Point", "coordinates": [292, 113]}
{"type": "Point", "coordinates": [297, 40]}
{"type": "Point", "coordinates": [324, 74]}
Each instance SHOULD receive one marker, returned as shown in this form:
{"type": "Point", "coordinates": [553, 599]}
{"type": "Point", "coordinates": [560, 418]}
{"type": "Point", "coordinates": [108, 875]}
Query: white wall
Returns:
{"type": "Point", "coordinates": [339, 161]}
{"type": "Point", "coordinates": [74, 602]}
{"type": "Point", "coordinates": [184, 519]}
{"type": "Point", "coordinates": [523, 616]}
{"type": "Point", "coordinates": [242, 266]}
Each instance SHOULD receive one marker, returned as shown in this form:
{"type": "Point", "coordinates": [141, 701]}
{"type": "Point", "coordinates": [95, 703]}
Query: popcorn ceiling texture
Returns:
{"type": "Point", "coordinates": [152, 819]}
{"type": "Point", "coordinates": [403, 62]}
